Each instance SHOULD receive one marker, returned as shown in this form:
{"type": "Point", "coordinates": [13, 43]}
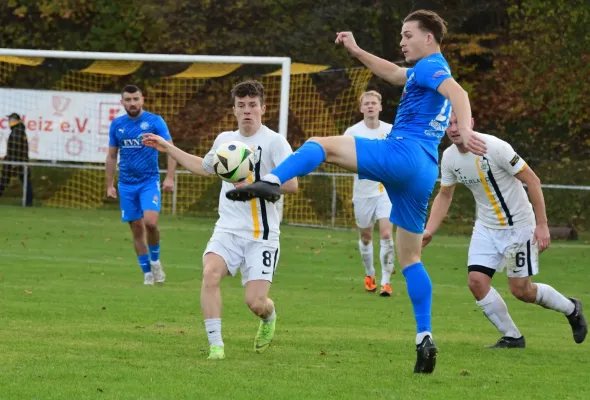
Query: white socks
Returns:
{"type": "Point", "coordinates": [495, 309]}
{"type": "Point", "coordinates": [550, 298]}
{"type": "Point", "coordinates": [270, 318]}
{"type": "Point", "coordinates": [367, 256]}
{"type": "Point", "coordinates": [420, 337]}
{"type": "Point", "coordinates": [213, 328]}
{"type": "Point", "coordinates": [386, 256]}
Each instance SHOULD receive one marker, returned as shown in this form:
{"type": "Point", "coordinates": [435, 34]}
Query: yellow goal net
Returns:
{"type": "Point", "coordinates": [66, 106]}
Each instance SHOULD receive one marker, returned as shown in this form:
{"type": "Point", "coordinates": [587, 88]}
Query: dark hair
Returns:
{"type": "Point", "coordinates": [131, 89]}
{"type": "Point", "coordinates": [429, 21]}
{"type": "Point", "coordinates": [248, 88]}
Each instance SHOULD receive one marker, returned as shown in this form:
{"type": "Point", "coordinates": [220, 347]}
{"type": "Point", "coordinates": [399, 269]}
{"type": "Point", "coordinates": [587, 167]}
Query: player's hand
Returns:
{"type": "Point", "coordinates": [473, 142]}
{"type": "Point", "coordinates": [426, 238]}
{"type": "Point", "coordinates": [347, 40]}
{"type": "Point", "coordinates": [542, 237]}
{"type": "Point", "coordinates": [112, 192]}
{"type": "Point", "coordinates": [241, 184]}
{"type": "Point", "coordinates": [155, 141]}
{"type": "Point", "coordinates": [168, 185]}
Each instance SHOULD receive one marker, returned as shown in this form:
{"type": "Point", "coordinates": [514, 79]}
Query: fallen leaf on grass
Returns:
{"type": "Point", "coordinates": [318, 251]}
{"type": "Point", "coordinates": [322, 353]}
{"type": "Point", "coordinates": [159, 325]}
{"type": "Point", "coordinates": [107, 240]}
{"type": "Point", "coordinates": [28, 292]}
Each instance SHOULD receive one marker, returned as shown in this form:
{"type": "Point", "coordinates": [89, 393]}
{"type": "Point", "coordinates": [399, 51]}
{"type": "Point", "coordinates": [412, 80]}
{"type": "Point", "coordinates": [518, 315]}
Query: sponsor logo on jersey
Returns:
{"type": "Point", "coordinates": [440, 73]}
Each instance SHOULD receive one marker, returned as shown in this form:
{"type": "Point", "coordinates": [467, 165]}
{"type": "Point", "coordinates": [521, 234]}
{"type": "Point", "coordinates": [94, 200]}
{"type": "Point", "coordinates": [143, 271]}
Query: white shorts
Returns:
{"type": "Point", "coordinates": [255, 260]}
{"type": "Point", "coordinates": [370, 209]}
{"type": "Point", "coordinates": [499, 248]}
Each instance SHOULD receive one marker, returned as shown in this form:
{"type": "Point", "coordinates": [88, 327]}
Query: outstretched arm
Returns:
{"type": "Point", "coordinates": [380, 67]}
{"type": "Point", "coordinates": [188, 161]}
{"type": "Point", "coordinates": [438, 212]}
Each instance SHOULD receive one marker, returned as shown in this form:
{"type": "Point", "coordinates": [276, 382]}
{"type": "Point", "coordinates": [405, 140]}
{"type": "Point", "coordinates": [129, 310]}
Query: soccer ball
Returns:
{"type": "Point", "coordinates": [233, 161]}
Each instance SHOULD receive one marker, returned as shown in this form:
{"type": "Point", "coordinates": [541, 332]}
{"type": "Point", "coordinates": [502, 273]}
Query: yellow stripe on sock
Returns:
{"type": "Point", "coordinates": [486, 188]}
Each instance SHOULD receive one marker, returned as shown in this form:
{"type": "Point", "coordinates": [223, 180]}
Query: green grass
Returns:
{"type": "Point", "coordinates": [76, 322]}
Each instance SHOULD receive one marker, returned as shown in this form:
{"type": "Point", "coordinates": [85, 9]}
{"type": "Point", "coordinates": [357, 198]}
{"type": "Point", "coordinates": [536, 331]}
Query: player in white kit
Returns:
{"type": "Point", "coordinates": [246, 235]}
{"type": "Point", "coordinates": [507, 232]}
{"type": "Point", "coordinates": [370, 200]}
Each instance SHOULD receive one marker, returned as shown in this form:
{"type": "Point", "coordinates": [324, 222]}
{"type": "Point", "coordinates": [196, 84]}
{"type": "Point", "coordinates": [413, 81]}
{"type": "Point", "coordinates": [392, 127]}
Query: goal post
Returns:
{"type": "Point", "coordinates": [68, 99]}
{"type": "Point", "coordinates": [284, 62]}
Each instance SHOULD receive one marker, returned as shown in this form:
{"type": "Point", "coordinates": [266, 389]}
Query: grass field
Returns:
{"type": "Point", "coordinates": [76, 322]}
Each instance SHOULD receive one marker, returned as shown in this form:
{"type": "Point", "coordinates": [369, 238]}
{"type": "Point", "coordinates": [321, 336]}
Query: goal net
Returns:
{"type": "Point", "coordinates": [66, 104]}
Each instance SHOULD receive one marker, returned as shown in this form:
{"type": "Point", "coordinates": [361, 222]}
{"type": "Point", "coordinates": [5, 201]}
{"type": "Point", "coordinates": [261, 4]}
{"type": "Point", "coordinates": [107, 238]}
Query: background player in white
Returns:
{"type": "Point", "coordinates": [505, 232]}
{"type": "Point", "coordinates": [139, 179]}
{"type": "Point", "coordinates": [370, 200]}
{"type": "Point", "coordinates": [246, 235]}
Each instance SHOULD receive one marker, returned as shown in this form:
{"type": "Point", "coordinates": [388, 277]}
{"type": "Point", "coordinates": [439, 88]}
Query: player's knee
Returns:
{"type": "Point", "coordinates": [366, 238]}
{"type": "Point", "coordinates": [386, 235]}
{"type": "Point", "coordinates": [478, 286]}
{"type": "Point", "coordinates": [326, 144]}
{"type": "Point", "coordinates": [211, 275]}
{"type": "Point", "coordinates": [151, 224]}
{"type": "Point", "coordinates": [256, 303]}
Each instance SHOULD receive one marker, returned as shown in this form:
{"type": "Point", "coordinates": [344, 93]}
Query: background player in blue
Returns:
{"type": "Point", "coordinates": [139, 180]}
{"type": "Point", "coordinates": [406, 162]}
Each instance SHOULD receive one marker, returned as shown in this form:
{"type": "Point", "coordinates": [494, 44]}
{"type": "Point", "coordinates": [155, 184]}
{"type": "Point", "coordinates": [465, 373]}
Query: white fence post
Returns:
{"type": "Point", "coordinates": [25, 184]}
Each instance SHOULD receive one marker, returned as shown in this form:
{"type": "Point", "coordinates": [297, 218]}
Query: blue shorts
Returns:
{"type": "Point", "coordinates": [407, 172]}
{"type": "Point", "coordinates": [137, 198]}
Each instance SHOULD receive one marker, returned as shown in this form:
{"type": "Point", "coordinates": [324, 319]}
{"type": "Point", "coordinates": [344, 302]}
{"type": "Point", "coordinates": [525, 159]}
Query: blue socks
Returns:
{"type": "Point", "coordinates": [154, 252]}
{"type": "Point", "coordinates": [306, 159]}
{"type": "Point", "coordinates": [420, 292]}
{"type": "Point", "coordinates": [144, 263]}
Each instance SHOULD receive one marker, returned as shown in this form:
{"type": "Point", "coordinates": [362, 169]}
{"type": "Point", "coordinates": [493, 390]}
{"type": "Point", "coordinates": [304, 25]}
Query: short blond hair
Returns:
{"type": "Point", "coordinates": [370, 93]}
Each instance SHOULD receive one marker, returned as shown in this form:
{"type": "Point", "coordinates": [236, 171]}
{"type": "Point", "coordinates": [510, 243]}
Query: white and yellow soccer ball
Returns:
{"type": "Point", "coordinates": [233, 161]}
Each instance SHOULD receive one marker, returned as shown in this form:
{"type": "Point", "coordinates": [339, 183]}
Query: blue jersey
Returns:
{"type": "Point", "coordinates": [137, 163]}
{"type": "Point", "coordinates": [423, 113]}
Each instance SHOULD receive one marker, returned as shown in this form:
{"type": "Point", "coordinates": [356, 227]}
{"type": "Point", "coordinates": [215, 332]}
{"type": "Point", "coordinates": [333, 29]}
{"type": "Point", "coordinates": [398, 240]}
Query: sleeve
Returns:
{"type": "Point", "coordinates": [113, 142]}
{"type": "Point", "coordinates": [281, 149]}
{"type": "Point", "coordinates": [448, 177]}
{"type": "Point", "coordinates": [347, 132]}
{"type": "Point", "coordinates": [208, 159]}
{"type": "Point", "coordinates": [162, 128]}
{"type": "Point", "coordinates": [504, 155]}
{"type": "Point", "coordinates": [431, 73]}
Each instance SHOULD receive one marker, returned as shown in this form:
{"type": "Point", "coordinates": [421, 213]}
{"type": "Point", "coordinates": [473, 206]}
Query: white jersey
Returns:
{"type": "Point", "coordinates": [365, 188]}
{"type": "Point", "coordinates": [502, 202]}
{"type": "Point", "coordinates": [256, 219]}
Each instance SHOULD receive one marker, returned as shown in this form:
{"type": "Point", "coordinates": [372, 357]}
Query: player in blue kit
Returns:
{"type": "Point", "coordinates": [139, 180]}
{"type": "Point", "coordinates": [406, 162]}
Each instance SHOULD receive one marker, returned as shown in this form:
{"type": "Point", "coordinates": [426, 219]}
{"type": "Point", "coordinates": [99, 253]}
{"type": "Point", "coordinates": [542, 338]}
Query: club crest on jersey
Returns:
{"type": "Point", "coordinates": [484, 166]}
{"type": "Point", "coordinates": [144, 126]}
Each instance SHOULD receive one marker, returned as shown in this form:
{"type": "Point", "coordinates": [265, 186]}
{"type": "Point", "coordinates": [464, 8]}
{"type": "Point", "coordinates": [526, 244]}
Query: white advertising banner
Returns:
{"type": "Point", "coordinates": [61, 126]}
